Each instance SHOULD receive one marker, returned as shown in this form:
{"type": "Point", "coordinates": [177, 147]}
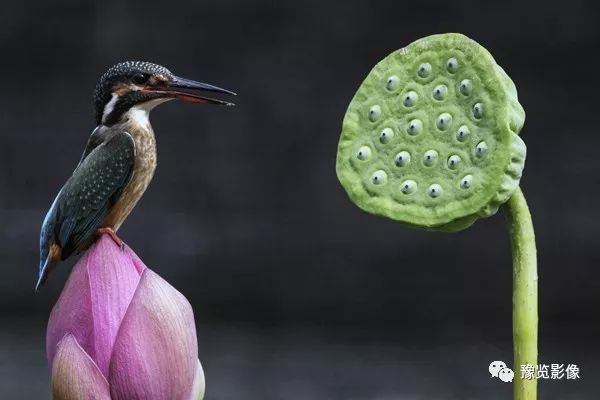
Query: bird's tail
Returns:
{"type": "Point", "coordinates": [47, 265]}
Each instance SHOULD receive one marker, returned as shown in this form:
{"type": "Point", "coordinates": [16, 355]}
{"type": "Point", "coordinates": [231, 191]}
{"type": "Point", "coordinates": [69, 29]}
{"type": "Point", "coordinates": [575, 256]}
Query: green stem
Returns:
{"type": "Point", "coordinates": [525, 280]}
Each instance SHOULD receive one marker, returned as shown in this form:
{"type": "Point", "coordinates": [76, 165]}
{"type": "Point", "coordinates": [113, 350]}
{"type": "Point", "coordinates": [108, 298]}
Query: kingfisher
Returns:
{"type": "Point", "coordinates": [119, 159]}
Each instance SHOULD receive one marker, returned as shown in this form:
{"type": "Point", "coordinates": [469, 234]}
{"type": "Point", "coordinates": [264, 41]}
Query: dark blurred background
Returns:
{"type": "Point", "coordinates": [297, 293]}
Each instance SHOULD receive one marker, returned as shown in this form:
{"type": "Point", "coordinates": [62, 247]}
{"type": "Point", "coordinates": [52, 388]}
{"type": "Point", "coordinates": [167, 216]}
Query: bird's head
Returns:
{"type": "Point", "coordinates": [144, 85]}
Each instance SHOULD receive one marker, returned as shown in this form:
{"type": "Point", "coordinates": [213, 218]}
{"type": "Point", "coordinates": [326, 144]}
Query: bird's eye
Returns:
{"type": "Point", "coordinates": [139, 78]}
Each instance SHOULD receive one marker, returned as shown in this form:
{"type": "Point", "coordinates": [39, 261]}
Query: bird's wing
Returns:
{"type": "Point", "coordinates": [98, 136]}
{"type": "Point", "coordinates": [94, 187]}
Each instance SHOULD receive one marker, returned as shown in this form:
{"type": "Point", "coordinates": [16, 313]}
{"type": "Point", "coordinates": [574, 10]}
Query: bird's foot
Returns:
{"type": "Point", "coordinates": [113, 235]}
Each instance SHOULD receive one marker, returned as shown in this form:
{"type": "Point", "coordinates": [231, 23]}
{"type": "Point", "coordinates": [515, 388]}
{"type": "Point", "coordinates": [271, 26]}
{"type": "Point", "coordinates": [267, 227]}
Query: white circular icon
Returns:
{"type": "Point", "coordinates": [495, 367]}
{"type": "Point", "coordinates": [506, 375]}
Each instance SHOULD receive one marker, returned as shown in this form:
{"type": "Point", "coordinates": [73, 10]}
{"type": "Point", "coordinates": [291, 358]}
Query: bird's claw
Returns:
{"type": "Point", "coordinates": [113, 235]}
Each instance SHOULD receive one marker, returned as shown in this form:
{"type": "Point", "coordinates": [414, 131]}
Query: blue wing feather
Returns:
{"type": "Point", "coordinates": [87, 197]}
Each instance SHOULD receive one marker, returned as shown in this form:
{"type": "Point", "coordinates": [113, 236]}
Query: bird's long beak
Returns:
{"type": "Point", "coordinates": [192, 91]}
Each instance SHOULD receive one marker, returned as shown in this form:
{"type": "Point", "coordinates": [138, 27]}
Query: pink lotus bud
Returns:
{"type": "Point", "coordinates": [121, 332]}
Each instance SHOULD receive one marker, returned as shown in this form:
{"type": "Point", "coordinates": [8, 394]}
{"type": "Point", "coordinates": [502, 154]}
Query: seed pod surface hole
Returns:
{"type": "Point", "coordinates": [374, 113]}
{"type": "Point", "coordinates": [364, 153]}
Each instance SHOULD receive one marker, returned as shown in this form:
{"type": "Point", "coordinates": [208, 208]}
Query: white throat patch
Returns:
{"type": "Point", "coordinates": [139, 114]}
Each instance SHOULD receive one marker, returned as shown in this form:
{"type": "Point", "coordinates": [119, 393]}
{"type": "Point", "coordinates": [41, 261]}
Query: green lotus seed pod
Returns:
{"type": "Point", "coordinates": [443, 102]}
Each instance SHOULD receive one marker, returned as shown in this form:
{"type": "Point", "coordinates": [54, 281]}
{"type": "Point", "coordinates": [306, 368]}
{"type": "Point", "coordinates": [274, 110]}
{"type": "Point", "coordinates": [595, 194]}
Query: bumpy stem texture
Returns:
{"type": "Point", "coordinates": [525, 294]}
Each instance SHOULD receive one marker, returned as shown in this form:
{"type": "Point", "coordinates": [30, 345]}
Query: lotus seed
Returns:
{"type": "Point", "coordinates": [481, 149]}
{"type": "Point", "coordinates": [478, 110]}
{"type": "Point", "coordinates": [465, 87]}
{"type": "Point", "coordinates": [434, 190]}
{"type": "Point", "coordinates": [465, 182]}
{"type": "Point", "coordinates": [430, 157]}
{"type": "Point", "coordinates": [392, 83]}
{"type": "Point", "coordinates": [364, 153]}
{"type": "Point", "coordinates": [443, 121]}
{"type": "Point", "coordinates": [411, 98]}
{"type": "Point", "coordinates": [453, 161]}
{"type": "Point", "coordinates": [424, 70]}
{"type": "Point", "coordinates": [452, 65]}
{"type": "Point", "coordinates": [440, 91]}
{"type": "Point", "coordinates": [462, 133]}
{"type": "Point", "coordinates": [402, 159]}
{"type": "Point", "coordinates": [408, 186]}
{"type": "Point", "coordinates": [414, 127]}
{"type": "Point", "coordinates": [379, 178]}
{"type": "Point", "coordinates": [374, 113]}
{"type": "Point", "coordinates": [386, 135]}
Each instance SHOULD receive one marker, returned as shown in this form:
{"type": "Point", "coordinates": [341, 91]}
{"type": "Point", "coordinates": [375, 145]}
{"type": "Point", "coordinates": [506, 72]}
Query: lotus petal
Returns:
{"type": "Point", "coordinates": [72, 313]}
{"type": "Point", "coordinates": [75, 376]}
{"type": "Point", "coordinates": [94, 301]}
{"type": "Point", "coordinates": [155, 355]}
{"type": "Point", "coordinates": [199, 384]}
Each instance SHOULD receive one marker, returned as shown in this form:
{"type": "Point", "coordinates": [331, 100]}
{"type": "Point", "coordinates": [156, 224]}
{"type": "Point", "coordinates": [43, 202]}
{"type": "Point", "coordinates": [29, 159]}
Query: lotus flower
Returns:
{"type": "Point", "coordinates": [120, 331]}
